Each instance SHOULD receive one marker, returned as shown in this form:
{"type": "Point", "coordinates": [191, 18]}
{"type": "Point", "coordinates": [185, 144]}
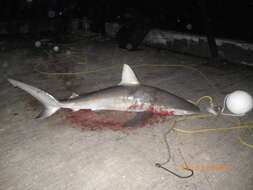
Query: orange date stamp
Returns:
{"type": "Point", "coordinates": [207, 168]}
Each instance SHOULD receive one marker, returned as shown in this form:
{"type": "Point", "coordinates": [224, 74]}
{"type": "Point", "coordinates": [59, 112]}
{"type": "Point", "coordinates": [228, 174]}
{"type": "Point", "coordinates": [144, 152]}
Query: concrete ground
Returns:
{"type": "Point", "coordinates": [54, 154]}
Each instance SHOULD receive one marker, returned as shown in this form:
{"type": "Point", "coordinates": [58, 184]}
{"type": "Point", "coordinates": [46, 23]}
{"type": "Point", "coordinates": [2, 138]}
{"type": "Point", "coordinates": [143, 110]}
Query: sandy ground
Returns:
{"type": "Point", "coordinates": [55, 154]}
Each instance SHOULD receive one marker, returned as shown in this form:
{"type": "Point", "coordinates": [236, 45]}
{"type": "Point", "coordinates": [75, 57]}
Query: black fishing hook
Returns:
{"type": "Point", "coordinates": [169, 154]}
{"type": "Point", "coordinates": [175, 174]}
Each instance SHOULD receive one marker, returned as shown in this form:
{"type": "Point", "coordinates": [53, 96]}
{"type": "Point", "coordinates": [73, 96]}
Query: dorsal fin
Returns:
{"type": "Point", "coordinates": [128, 77]}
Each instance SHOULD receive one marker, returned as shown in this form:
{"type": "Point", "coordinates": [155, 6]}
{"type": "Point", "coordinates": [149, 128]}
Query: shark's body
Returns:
{"type": "Point", "coordinates": [128, 95]}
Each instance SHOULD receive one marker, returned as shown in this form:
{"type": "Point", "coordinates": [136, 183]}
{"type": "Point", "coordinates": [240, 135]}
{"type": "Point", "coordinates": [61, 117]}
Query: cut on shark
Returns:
{"type": "Point", "coordinates": [128, 95]}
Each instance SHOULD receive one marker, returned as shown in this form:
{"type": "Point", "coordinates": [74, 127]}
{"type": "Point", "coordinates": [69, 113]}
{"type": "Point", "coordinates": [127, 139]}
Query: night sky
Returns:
{"type": "Point", "coordinates": [228, 19]}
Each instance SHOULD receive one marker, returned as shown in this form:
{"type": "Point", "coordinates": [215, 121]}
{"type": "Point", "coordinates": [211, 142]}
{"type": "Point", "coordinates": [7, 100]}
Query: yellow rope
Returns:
{"type": "Point", "coordinates": [73, 73]}
{"type": "Point", "coordinates": [194, 131]}
{"type": "Point", "coordinates": [246, 125]}
{"type": "Point", "coordinates": [107, 68]}
{"type": "Point", "coordinates": [35, 68]}
{"type": "Point", "coordinates": [244, 143]}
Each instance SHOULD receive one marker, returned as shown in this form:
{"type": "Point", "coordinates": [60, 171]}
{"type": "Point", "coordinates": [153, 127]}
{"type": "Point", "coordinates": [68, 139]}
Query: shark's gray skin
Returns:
{"type": "Point", "coordinates": [128, 95]}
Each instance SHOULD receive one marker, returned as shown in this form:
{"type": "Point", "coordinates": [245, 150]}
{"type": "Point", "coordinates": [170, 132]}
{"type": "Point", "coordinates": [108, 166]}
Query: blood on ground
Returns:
{"type": "Point", "coordinates": [114, 120]}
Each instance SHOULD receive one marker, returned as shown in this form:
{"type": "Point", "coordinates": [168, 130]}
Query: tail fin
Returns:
{"type": "Point", "coordinates": [50, 103]}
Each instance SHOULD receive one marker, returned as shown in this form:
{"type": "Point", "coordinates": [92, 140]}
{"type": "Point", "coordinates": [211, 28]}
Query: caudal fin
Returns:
{"type": "Point", "coordinates": [50, 103]}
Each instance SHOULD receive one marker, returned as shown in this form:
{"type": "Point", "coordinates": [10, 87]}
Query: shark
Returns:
{"type": "Point", "coordinates": [128, 95]}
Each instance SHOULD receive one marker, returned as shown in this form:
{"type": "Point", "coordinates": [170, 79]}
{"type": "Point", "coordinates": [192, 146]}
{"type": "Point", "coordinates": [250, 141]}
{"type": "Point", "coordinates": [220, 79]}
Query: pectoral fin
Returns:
{"type": "Point", "coordinates": [139, 119]}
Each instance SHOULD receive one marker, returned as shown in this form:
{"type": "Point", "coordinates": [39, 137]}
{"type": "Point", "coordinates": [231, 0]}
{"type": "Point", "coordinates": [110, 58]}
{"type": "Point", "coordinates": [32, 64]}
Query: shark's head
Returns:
{"type": "Point", "coordinates": [128, 77]}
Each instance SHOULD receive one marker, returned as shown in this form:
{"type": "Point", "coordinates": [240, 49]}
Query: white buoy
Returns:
{"type": "Point", "coordinates": [239, 102]}
{"type": "Point", "coordinates": [56, 48]}
{"type": "Point", "coordinates": [37, 44]}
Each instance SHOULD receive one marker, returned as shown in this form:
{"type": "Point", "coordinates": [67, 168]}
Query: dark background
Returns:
{"type": "Point", "coordinates": [229, 19]}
